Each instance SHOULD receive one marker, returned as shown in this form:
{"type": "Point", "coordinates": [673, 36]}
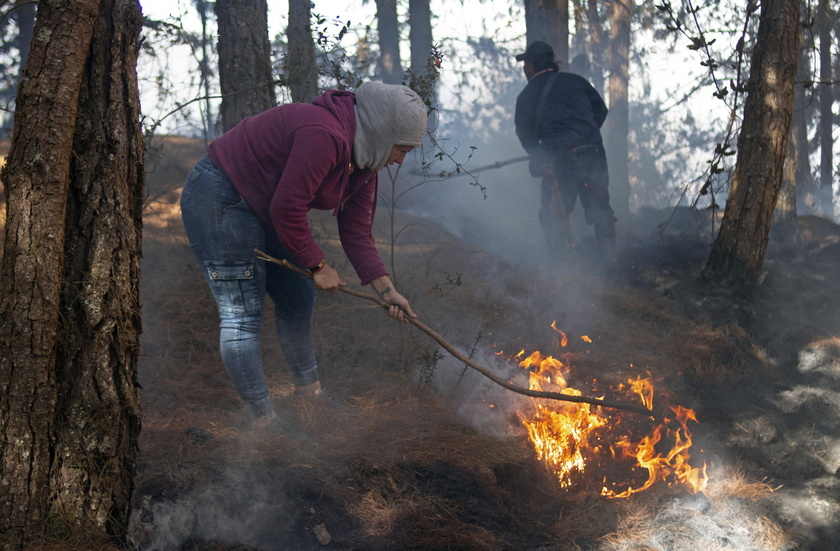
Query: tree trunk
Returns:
{"type": "Point", "coordinates": [548, 21]}
{"type": "Point", "coordinates": [783, 225]}
{"type": "Point", "coordinates": [245, 76]}
{"type": "Point", "coordinates": [69, 410]}
{"type": "Point", "coordinates": [301, 70]}
{"type": "Point", "coordinates": [579, 50]}
{"type": "Point", "coordinates": [738, 252]}
{"type": "Point", "coordinates": [389, 41]}
{"type": "Point", "coordinates": [578, 42]}
{"type": "Point", "coordinates": [203, 7]}
{"type": "Point", "coordinates": [420, 35]}
{"type": "Point", "coordinates": [596, 45]}
{"type": "Point", "coordinates": [796, 175]}
{"type": "Point", "coordinates": [618, 121]}
{"type": "Point", "coordinates": [826, 112]}
{"type": "Point", "coordinates": [806, 194]}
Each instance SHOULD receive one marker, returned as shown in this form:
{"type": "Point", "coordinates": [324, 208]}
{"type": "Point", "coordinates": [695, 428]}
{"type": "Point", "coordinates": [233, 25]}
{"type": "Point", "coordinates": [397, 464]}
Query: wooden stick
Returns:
{"type": "Point", "coordinates": [615, 404]}
{"type": "Point", "coordinates": [471, 171]}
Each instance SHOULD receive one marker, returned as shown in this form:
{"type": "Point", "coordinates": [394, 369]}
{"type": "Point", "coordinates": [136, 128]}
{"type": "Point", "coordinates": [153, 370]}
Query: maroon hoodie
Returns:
{"type": "Point", "coordinates": [296, 157]}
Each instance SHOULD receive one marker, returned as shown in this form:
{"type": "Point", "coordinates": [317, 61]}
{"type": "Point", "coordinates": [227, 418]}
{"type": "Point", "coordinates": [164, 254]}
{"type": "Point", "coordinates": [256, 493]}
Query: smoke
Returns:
{"type": "Point", "coordinates": [243, 508]}
{"type": "Point", "coordinates": [486, 406]}
{"type": "Point", "coordinates": [494, 209]}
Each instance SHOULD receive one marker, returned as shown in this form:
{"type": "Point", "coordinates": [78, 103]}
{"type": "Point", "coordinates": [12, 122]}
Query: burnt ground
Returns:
{"type": "Point", "coordinates": [426, 454]}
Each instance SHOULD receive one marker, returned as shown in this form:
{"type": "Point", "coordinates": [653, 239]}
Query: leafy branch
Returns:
{"type": "Point", "coordinates": [737, 85]}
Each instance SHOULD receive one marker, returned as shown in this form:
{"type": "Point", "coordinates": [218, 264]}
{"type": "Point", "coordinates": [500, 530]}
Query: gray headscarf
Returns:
{"type": "Point", "coordinates": [386, 115]}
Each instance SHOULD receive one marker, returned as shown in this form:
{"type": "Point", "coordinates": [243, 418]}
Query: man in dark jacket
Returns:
{"type": "Point", "coordinates": [558, 120]}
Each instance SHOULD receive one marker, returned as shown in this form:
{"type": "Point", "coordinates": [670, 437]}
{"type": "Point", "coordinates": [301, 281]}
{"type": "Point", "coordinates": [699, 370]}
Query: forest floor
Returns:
{"type": "Point", "coordinates": [425, 453]}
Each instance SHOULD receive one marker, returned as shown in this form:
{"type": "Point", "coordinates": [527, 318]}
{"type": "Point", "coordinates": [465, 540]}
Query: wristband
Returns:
{"type": "Point", "coordinates": [319, 267]}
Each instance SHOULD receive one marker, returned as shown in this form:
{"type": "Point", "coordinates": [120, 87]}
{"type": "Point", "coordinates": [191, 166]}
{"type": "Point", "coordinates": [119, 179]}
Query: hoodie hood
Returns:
{"type": "Point", "coordinates": [386, 115]}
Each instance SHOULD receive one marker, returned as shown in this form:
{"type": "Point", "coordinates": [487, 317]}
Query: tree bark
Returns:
{"type": "Point", "coordinates": [826, 109]}
{"type": "Point", "coordinates": [738, 252]}
{"type": "Point", "coordinates": [69, 410]}
{"type": "Point", "coordinates": [245, 76]}
{"type": "Point", "coordinates": [301, 70]}
{"type": "Point", "coordinates": [548, 21]}
{"type": "Point", "coordinates": [389, 42]}
{"type": "Point", "coordinates": [796, 174]}
{"type": "Point", "coordinates": [618, 121]}
{"type": "Point", "coordinates": [783, 225]}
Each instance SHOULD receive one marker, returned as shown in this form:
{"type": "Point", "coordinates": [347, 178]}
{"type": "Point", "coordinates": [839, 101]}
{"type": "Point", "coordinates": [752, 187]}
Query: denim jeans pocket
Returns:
{"type": "Point", "coordinates": [235, 286]}
{"type": "Point", "coordinates": [189, 185]}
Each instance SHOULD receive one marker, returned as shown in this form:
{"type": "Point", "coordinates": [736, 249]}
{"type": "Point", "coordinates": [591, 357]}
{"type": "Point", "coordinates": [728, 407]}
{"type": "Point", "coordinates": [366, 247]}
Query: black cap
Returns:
{"type": "Point", "coordinates": [536, 50]}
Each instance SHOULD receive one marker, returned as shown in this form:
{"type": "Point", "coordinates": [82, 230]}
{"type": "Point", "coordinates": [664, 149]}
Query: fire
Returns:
{"type": "Point", "coordinates": [673, 467]}
{"type": "Point", "coordinates": [626, 453]}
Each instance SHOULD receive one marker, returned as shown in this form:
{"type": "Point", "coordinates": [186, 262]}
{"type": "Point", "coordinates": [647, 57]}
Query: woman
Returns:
{"type": "Point", "coordinates": [254, 189]}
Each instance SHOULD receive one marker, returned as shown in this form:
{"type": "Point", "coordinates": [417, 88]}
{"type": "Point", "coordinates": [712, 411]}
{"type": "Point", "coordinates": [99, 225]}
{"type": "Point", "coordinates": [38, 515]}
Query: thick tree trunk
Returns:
{"type": "Point", "coordinates": [36, 179]}
{"type": "Point", "coordinates": [738, 252]}
{"type": "Point", "coordinates": [548, 21]}
{"type": "Point", "coordinates": [301, 70]}
{"type": "Point", "coordinates": [245, 76]}
{"type": "Point", "coordinates": [69, 298]}
{"type": "Point", "coordinates": [389, 41]}
{"type": "Point", "coordinates": [99, 410]}
{"type": "Point", "coordinates": [618, 121]}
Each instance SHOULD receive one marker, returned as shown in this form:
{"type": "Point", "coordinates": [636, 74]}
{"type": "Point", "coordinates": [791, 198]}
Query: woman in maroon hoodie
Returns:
{"type": "Point", "coordinates": [254, 190]}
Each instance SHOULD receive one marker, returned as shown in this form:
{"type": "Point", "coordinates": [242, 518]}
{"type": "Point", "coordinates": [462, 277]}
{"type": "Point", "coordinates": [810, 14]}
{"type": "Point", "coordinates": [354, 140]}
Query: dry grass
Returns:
{"type": "Point", "coordinates": [737, 484]}
{"type": "Point", "coordinates": [636, 525]}
{"type": "Point", "coordinates": [398, 468]}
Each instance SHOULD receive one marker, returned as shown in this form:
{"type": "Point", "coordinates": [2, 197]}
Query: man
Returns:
{"type": "Point", "coordinates": [558, 120]}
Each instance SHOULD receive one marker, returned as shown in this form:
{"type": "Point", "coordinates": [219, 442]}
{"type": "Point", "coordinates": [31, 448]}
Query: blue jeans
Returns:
{"type": "Point", "coordinates": [223, 232]}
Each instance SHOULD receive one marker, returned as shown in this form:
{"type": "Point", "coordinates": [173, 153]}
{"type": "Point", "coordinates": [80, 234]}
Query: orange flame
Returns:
{"type": "Point", "coordinates": [564, 340]}
{"type": "Point", "coordinates": [671, 468]}
{"type": "Point", "coordinates": [569, 438]}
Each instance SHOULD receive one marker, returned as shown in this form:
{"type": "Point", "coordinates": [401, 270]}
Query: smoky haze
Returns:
{"type": "Point", "coordinates": [503, 219]}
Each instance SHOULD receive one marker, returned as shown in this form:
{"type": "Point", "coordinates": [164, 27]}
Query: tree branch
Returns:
{"type": "Point", "coordinates": [615, 404]}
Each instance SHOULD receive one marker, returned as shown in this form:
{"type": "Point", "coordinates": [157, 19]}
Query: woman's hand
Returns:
{"type": "Point", "coordinates": [400, 310]}
{"type": "Point", "coordinates": [327, 279]}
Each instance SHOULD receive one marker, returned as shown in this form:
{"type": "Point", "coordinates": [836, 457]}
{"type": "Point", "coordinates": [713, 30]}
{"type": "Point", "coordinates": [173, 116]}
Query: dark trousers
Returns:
{"type": "Point", "coordinates": [580, 172]}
